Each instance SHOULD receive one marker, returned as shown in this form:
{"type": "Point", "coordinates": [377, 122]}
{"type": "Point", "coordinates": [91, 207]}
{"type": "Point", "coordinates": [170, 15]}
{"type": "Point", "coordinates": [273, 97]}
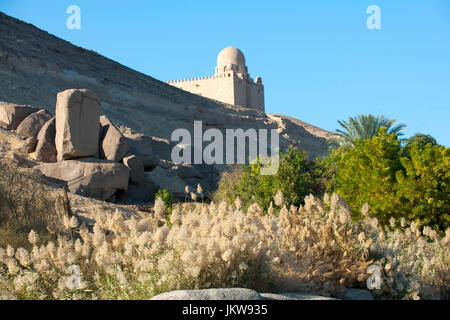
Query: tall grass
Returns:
{"type": "Point", "coordinates": [314, 248]}
{"type": "Point", "coordinates": [25, 204]}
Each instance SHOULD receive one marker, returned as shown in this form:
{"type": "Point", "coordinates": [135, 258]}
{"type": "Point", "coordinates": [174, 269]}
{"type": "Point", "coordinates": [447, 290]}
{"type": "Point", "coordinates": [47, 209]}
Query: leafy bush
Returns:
{"type": "Point", "coordinates": [421, 139]}
{"type": "Point", "coordinates": [366, 174]}
{"type": "Point", "coordinates": [297, 177]}
{"type": "Point", "coordinates": [414, 187]}
{"type": "Point", "coordinates": [423, 187]}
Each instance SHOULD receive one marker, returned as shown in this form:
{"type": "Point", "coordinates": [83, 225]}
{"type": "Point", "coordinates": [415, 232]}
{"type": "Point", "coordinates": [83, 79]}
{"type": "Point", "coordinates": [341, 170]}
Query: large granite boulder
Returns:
{"type": "Point", "coordinates": [167, 179]}
{"type": "Point", "coordinates": [294, 296]}
{"type": "Point", "coordinates": [136, 167]}
{"type": "Point", "coordinates": [210, 294]}
{"type": "Point", "coordinates": [187, 171]}
{"type": "Point", "coordinates": [32, 124]}
{"type": "Point", "coordinates": [357, 294]}
{"type": "Point", "coordinates": [202, 174]}
{"type": "Point", "coordinates": [46, 148]}
{"type": "Point", "coordinates": [90, 177]}
{"type": "Point", "coordinates": [77, 124]}
{"type": "Point", "coordinates": [101, 184]}
{"type": "Point", "coordinates": [235, 294]}
{"type": "Point", "coordinates": [141, 192]}
{"type": "Point", "coordinates": [11, 115]}
{"type": "Point", "coordinates": [141, 146]}
{"type": "Point", "coordinates": [27, 145]}
{"type": "Point", "coordinates": [161, 148]}
{"type": "Point", "coordinates": [113, 145]}
{"type": "Point", "coordinates": [3, 125]}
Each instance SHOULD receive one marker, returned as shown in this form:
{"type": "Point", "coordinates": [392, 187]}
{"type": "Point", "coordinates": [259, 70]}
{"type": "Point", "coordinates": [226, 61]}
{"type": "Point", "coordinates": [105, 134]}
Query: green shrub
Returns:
{"type": "Point", "coordinates": [421, 139]}
{"type": "Point", "coordinates": [414, 187]}
{"type": "Point", "coordinates": [297, 177]}
{"type": "Point", "coordinates": [366, 174]}
{"type": "Point", "coordinates": [423, 187]}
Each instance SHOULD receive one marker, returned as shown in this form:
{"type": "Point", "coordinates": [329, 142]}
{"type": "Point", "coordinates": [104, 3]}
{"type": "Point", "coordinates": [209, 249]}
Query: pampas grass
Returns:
{"type": "Point", "coordinates": [315, 248]}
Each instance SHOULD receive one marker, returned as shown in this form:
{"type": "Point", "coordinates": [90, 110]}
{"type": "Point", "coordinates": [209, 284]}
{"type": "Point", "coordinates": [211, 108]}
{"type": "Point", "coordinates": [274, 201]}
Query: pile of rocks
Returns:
{"type": "Point", "coordinates": [82, 149]}
{"type": "Point", "coordinates": [85, 151]}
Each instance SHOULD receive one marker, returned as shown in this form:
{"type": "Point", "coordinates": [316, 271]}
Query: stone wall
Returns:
{"type": "Point", "coordinates": [226, 87]}
{"type": "Point", "coordinates": [215, 87]}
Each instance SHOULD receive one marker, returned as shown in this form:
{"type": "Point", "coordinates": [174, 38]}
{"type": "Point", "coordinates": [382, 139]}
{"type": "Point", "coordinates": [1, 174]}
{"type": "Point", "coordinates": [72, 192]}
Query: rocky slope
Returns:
{"type": "Point", "coordinates": [35, 66]}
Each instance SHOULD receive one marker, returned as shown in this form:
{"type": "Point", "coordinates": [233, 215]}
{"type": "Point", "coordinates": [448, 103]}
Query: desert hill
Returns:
{"type": "Point", "coordinates": [35, 66]}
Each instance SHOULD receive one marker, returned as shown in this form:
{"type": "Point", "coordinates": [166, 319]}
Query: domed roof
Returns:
{"type": "Point", "coordinates": [231, 55]}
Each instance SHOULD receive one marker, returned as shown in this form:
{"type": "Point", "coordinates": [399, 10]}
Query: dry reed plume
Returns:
{"type": "Point", "coordinates": [315, 248]}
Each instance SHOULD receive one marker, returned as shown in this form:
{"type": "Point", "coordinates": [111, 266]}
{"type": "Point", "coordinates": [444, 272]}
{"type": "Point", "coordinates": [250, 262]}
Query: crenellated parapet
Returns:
{"type": "Point", "coordinates": [215, 76]}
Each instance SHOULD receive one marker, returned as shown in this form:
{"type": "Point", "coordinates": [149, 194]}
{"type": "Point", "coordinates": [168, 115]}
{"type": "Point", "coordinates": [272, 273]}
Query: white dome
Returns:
{"type": "Point", "coordinates": [230, 55]}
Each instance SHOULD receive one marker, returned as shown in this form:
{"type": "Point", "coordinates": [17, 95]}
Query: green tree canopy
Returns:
{"type": "Point", "coordinates": [421, 139]}
{"type": "Point", "coordinates": [415, 187]}
{"type": "Point", "coordinates": [423, 186]}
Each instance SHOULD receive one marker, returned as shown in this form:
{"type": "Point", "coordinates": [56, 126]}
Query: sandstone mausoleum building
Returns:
{"type": "Point", "coordinates": [230, 84]}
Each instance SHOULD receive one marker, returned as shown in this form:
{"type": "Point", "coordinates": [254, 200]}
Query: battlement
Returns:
{"type": "Point", "coordinates": [231, 82]}
{"type": "Point", "coordinates": [249, 81]}
{"type": "Point", "coordinates": [187, 80]}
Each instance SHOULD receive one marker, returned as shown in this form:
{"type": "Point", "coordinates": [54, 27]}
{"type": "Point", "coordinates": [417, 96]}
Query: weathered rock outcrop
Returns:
{"type": "Point", "coordinates": [161, 148]}
{"type": "Point", "coordinates": [46, 148]}
{"type": "Point", "coordinates": [28, 145]}
{"type": "Point", "coordinates": [45, 64]}
{"type": "Point", "coordinates": [234, 294]}
{"type": "Point", "coordinates": [41, 65]}
{"type": "Point", "coordinates": [293, 296]}
{"type": "Point", "coordinates": [32, 124]}
{"type": "Point", "coordinates": [101, 184]}
{"type": "Point", "coordinates": [210, 294]}
{"type": "Point", "coordinates": [142, 192]}
{"type": "Point", "coordinates": [113, 145]}
{"type": "Point", "coordinates": [193, 175]}
{"type": "Point", "coordinates": [187, 171]}
{"type": "Point", "coordinates": [94, 178]}
{"type": "Point", "coordinates": [141, 146]}
{"type": "Point", "coordinates": [11, 115]}
{"type": "Point", "coordinates": [77, 124]}
{"type": "Point", "coordinates": [167, 179]}
{"type": "Point", "coordinates": [136, 167]}
{"type": "Point", "coordinates": [357, 294]}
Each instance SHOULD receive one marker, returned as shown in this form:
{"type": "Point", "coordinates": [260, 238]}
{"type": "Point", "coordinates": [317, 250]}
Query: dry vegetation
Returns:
{"type": "Point", "coordinates": [45, 254]}
{"type": "Point", "coordinates": [315, 248]}
{"type": "Point", "coordinates": [25, 204]}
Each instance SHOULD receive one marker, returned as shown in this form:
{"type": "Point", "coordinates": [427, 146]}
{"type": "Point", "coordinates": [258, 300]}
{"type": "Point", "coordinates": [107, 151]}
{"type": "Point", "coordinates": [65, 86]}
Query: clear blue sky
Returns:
{"type": "Point", "coordinates": [318, 60]}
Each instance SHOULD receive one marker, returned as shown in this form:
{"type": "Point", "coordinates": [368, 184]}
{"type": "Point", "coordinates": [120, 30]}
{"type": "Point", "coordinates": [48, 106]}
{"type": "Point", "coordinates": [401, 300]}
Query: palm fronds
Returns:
{"type": "Point", "coordinates": [366, 127]}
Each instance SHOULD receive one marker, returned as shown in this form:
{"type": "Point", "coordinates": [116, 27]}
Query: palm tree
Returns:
{"type": "Point", "coordinates": [366, 127]}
